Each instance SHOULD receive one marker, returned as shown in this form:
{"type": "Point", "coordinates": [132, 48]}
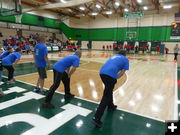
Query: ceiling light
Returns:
{"type": "Point", "coordinates": [117, 3]}
{"type": "Point", "coordinates": [145, 8]}
{"type": "Point", "coordinates": [94, 14]}
{"type": "Point", "coordinates": [98, 6]}
{"type": "Point", "coordinates": [63, 1]}
{"type": "Point", "coordinates": [126, 10]}
{"type": "Point", "coordinates": [139, 1]}
{"type": "Point", "coordinates": [82, 8]}
{"type": "Point", "coordinates": [167, 6]}
{"type": "Point", "coordinates": [109, 12]}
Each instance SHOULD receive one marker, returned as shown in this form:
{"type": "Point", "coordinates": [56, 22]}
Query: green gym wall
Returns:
{"type": "Point", "coordinates": [153, 33]}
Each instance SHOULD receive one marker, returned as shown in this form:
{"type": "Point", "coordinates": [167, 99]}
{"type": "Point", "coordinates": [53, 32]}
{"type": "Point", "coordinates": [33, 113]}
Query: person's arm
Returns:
{"type": "Point", "coordinates": [121, 73]}
{"type": "Point", "coordinates": [67, 71]}
{"type": "Point", "coordinates": [47, 60]}
{"type": "Point", "coordinates": [14, 64]}
{"type": "Point", "coordinates": [34, 59]}
{"type": "Point", "coordinates": [73, 69]}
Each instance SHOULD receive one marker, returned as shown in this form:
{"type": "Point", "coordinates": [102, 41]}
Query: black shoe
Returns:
{"type": "Point", "coordinates": [68, 95]}
{"type": "Point", "coordinates": [113, 108]}
{"type": "Point", "coordinates": [48, 105]}
{"type": "Point", "coordinates": [97, 123]}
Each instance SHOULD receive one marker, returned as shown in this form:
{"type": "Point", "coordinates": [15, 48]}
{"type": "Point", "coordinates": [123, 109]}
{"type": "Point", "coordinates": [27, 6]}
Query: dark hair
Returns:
{"type": "Point", "coordinates": [18, 50]}
{"type": "Point", "coordinates": [122, 52]}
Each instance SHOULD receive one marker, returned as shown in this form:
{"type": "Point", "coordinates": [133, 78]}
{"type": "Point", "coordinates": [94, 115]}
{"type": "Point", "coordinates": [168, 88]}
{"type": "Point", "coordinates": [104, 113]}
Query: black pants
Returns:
{"type": "Point", "coordinates": [10, 72]}
{"type": "Point", "coordinates": [107, 99]}
{"type": "Point", "coordinates": [58, 76]}
{"type": "Point", "coordinates": [175, 56]}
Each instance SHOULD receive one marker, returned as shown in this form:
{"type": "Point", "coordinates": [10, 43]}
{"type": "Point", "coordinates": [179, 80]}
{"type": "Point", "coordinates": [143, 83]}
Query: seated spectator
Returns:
{"type": "Point", "coordinates": [28, 49]}
{"type": "Point", "coordinates": [1, 34]}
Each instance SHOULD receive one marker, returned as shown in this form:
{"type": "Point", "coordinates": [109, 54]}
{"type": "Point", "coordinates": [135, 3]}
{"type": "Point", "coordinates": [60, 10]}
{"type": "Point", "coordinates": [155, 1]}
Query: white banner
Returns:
{"type": "Point", "coordinates": [175, 37]}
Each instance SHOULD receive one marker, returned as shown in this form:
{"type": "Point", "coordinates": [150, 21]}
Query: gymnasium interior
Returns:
{"type": "Point", "coordinates": [147, 95]}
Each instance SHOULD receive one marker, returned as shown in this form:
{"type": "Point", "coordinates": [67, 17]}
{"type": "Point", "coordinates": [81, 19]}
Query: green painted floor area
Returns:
{"type": "Point", "coordinates": [115, 123]}
{"type": "Point", "coordinates": [25, 68]}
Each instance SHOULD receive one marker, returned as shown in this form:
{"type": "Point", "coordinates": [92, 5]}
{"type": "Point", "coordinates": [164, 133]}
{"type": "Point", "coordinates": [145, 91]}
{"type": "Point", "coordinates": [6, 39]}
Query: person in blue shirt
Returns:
{"type": "Point", "coordinates": [27, 48]}
{"type": "Point", "coordinates": [63, 72]}
{"type": "Point", "coordinates": [6, 53]}
{"type": "Point", "coordinates": [1, 92]}
{"type": "Point", "coordinates": [15, 47]}
{"type": "Point", "coordinates": [41, 61]}
{"type": "Point", "coordinates": [112, 70]}
{"type": "Point", "coordinates": [9, 62]}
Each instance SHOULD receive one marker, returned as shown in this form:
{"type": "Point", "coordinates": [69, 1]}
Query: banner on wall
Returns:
{"type": "Point", "coordinates": [175, 37]}
{"type": "Point", "coordinates": [175, 30]}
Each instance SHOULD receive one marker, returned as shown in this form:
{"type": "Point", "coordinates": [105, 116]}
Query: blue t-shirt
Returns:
{"type": "Point", "coordinates": [5, 53]}
{"type": "Point", "coordinates": [11, 58]}
{"type": "Point", "coordinates": [40, 51]}
{"type": "Point", "coordinates": [15, 47]}
{"type": "Point", "coordinates": [115, 64]}
{"type": "Point", "coordinates": [66, 62]}
{"type": "Point", "coordinates": [27, 47]}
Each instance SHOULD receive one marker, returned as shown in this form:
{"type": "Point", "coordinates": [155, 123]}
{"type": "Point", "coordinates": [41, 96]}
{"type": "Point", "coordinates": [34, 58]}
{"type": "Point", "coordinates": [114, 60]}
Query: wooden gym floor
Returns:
{"type": "Point", "coordinates": [148, 88]}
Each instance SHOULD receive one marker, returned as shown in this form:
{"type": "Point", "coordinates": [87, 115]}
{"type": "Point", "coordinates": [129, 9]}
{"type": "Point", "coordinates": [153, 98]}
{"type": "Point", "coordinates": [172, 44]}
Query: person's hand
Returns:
{"type": "Point", "coordinates": [14, 65]}
{"type": "Point", "coordinates": [49, 65]}
{"type": "Point", "coordinates": [69, 75]}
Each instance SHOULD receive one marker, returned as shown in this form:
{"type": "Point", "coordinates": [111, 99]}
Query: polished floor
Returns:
{"type": "Point", "coordinates": [145, 97]}
{"type": "Point", "coordinates": [22, 114]}
{"type": "Point", "coordinates": [148, 88]}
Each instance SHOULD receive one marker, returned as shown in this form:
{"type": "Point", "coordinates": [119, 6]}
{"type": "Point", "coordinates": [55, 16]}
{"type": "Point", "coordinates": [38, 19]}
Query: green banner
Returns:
{"type": "Point", "coordinates": [133, 14]}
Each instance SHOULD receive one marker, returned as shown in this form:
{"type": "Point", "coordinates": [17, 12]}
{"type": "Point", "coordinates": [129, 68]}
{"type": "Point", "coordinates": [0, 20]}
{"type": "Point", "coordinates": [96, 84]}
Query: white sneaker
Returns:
{"type": "Point", "coordinates": [1, 93]}
{"type": "Point", "coordinates": [11, 81]}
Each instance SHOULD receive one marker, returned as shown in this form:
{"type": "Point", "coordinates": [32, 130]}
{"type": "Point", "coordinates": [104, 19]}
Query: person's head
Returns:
{"type": "Point", "coordinates": [10, 49]}
{"type": "Point", "coordinates": [177, 45]}
{"type": "Point", "coordinates": [42, 39]}
{"type": "Point", "coordinates": [78, 53]}
{"type": "Point", "coordinates": [122, 52]}
{"type": "Point", "coordinates": [18, 50]}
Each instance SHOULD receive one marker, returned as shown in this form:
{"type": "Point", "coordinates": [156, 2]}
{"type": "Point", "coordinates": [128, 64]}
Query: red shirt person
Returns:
{"type": "Point", "coordinates": [107, 47]}
{"type": "Point", "coordinates": [115, 46]}
{"type": "Point", "coordinates": [121, 46]}
{"type": "Point", "coordinates": [147, 47]}
{"type": "Point", "coordinates": [157, 48]}
{"type": "Point", "coordinates": [132, 47]}
{"type": "Point", "coordinates": [143, 48]}
{"type": "Point", "coordinates": [136, 49]}
{"type": "Point", "coordinates": [103, 47]}
{"type": "Point", "coordinates": [125, 47]}
{"type": "Point", "coordinates": [167, 50]}
{"type": "Point", "coordinates": [110, 47]}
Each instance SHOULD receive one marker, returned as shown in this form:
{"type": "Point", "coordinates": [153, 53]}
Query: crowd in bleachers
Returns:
{"type": "Point", "coordinates": [15, 42]}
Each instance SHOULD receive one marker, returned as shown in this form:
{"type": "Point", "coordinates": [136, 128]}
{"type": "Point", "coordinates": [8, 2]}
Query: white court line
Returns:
{"type": "Point", "coordinates": [176, 97]}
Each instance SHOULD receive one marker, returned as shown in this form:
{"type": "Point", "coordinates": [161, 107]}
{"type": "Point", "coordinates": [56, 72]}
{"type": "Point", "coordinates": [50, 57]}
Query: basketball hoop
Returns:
{"type": "Point", "coordinates": [18, 18]}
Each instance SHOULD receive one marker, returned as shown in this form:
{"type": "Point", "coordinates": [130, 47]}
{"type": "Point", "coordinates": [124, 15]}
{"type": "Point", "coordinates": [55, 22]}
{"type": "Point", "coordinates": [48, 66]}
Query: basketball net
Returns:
{"type": "Point", "coordinates": [18, 18]}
